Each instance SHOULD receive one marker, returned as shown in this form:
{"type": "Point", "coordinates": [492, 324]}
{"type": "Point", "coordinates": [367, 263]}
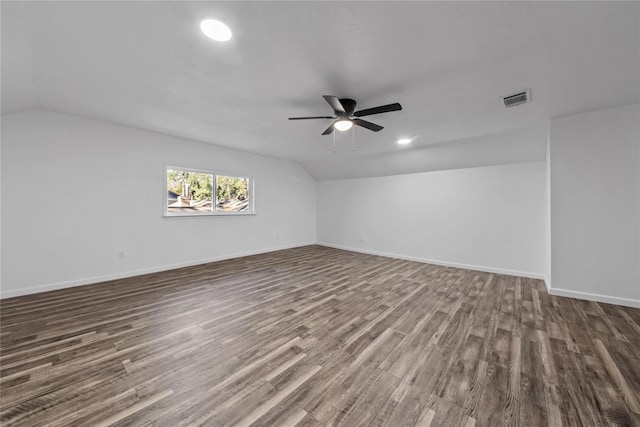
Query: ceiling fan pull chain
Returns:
{"type": "Point", "coordinates": [334, 143]}
{"type": "Point", "coordinates": [353, 138]}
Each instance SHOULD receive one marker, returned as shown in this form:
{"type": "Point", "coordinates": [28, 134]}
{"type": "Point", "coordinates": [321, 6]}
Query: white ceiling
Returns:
{"type": "Point", "coordinates": [146, 64]}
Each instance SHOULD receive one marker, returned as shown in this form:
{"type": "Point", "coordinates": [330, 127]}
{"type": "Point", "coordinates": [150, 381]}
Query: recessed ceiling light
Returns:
{"type": "Point", "coordinates": [216, 30]}
{"type": "Point", "coordinates": [343, 125]}
{"type": "Point", "coordinates": [404, 141]}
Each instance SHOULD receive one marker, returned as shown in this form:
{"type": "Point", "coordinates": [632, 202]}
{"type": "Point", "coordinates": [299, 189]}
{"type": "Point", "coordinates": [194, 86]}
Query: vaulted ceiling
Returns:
{"type": "Point", "coordinates": [147, 65]}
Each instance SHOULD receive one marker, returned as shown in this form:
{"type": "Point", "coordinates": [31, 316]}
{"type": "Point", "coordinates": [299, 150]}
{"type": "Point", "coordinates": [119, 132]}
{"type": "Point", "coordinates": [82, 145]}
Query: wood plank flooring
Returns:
{"type": "Point", "coordinates": [315, 336]}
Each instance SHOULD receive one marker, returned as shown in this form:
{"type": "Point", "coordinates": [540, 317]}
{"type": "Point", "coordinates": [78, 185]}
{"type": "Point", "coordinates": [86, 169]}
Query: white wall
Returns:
{"type": "Point", "coordinates": [77, 191]}
{"type": "Point", "coordinates": [547, 214]}
{"type": "Point", "coordinates": [595, 205]}
{"type": "Point", "coordinates": [489, 218]}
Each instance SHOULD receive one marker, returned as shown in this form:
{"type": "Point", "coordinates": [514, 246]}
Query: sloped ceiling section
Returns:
{"type": "Point", "coordinates": [146, 65]}
{"type": "Point", "coordinates": [519, 146]}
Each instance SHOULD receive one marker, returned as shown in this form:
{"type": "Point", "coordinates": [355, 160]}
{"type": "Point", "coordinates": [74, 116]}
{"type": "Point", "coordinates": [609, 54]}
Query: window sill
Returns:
{"type": "Point", "coordinates": [201, 215]}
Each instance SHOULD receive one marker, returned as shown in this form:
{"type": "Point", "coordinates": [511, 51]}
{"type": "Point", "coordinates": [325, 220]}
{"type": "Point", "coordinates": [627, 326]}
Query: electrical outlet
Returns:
{"type": "Point", "coordinates": [121, 255]}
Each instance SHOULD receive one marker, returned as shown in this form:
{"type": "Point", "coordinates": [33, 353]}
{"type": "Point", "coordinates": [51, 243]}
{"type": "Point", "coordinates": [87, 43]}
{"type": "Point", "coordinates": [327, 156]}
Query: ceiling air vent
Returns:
{"type": "Point", "coordinates": [517, 99]}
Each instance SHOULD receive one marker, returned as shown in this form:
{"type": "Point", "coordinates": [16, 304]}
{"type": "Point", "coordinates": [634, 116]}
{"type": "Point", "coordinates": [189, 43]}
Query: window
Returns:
{"type": "Point", "coordinates": [193, 192]}
{"type": "Point", "coordinates": [232, 193]}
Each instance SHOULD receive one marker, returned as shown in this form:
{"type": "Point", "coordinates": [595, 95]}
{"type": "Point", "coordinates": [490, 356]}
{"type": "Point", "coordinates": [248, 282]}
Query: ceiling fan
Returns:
{"type": "Point", "coordinates": [346, 117]}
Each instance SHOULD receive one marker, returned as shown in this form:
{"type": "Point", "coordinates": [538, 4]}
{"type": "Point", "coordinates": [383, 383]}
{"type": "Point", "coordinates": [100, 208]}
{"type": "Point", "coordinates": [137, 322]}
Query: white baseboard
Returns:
{"type": "Point", "coordinates": [627, 302]}
{"type": "Point", "coordinates": [438, 262]}
{"type": "Point", "coordinates": [131, 273]}
{"type": "Point", "coordinates": [556, 292]}
{"type": "Point", "coordinates": [121, 275]}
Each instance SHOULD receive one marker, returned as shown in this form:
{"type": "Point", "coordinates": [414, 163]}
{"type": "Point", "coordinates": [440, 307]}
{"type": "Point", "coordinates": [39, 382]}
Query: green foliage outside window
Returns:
{"type": "Point", "coordinates": [230, 188]}
{"type": "Point", "coordinates": [191, 185]}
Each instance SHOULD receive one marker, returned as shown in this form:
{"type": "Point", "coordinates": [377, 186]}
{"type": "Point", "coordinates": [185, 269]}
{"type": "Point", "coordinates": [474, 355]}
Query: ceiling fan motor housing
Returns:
{"type": "Point", "coordinates": [349, 106]}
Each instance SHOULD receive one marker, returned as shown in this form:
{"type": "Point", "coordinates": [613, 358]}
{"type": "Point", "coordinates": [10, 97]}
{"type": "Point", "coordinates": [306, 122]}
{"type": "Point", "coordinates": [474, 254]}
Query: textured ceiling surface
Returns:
{"type": "Point", "coordinates": [147, 65]}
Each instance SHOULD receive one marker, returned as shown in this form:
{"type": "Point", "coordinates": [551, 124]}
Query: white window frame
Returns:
{"type": "Point", "coordinates": [250, 210]}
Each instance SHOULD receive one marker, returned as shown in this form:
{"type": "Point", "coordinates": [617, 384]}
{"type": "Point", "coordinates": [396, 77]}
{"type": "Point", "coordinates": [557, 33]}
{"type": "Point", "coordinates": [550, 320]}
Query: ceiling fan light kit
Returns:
{"type": "Point", "coordinates": [345, 115]}
{"type": "Point", "coordinates": [343, 125]}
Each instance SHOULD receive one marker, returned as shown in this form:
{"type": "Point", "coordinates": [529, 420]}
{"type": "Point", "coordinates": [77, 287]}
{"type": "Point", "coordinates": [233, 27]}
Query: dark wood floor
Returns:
{"type": "Point", "coordinates": [316, 337]}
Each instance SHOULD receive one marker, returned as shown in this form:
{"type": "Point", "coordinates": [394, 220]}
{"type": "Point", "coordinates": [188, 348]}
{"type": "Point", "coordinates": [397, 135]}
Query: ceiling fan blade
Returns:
{"type": "Point", "coordinates": [307, 118]}
{"type": "Point", "coordinates": [378, 110]}
{"type": "Point", "coordinates": [334, 102]}
{"type": "Point", "coordinates": [329, 130]}
{"type": "Point", "coordinates": [365, 124]}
